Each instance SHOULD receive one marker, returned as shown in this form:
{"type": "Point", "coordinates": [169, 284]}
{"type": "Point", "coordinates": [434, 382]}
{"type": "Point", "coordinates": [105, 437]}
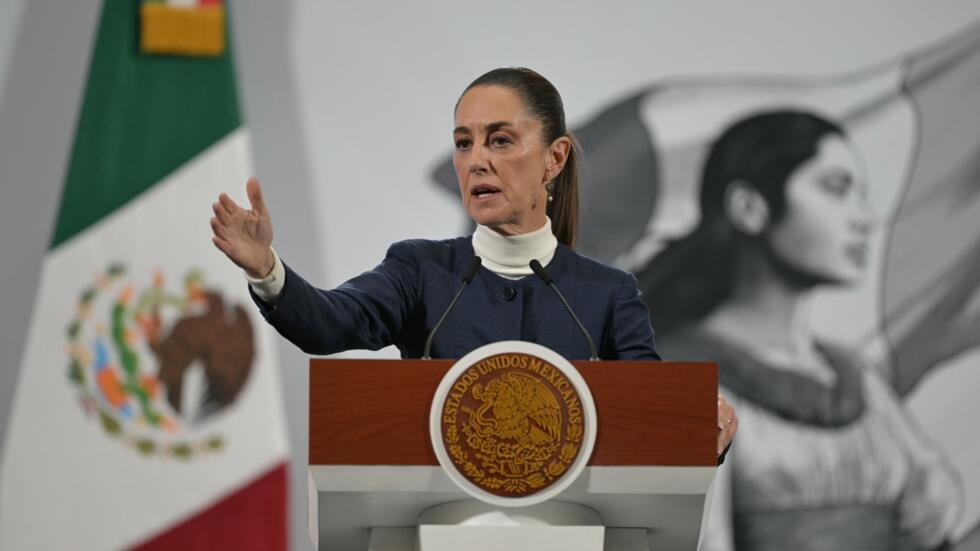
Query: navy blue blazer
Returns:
{"type": "Point", "coordinates": [400, 300]}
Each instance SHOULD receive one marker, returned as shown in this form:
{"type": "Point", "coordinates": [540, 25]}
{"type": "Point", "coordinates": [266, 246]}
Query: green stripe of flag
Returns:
{"type": "Point", "coordinates": [142, 117]}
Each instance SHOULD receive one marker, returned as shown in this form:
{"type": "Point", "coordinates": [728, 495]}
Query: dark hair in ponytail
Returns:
{"type": "Point", "coordinates": [695, 274]}
{"type": "Point", "coordinates": [543, 102]}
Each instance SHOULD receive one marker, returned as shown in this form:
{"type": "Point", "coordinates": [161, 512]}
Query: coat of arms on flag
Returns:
{"type": "Point", "coordinates": [153, 364]}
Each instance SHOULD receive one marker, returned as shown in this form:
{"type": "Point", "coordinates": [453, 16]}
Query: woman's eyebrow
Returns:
{"type": "Point", "coordinates": [492, 127]}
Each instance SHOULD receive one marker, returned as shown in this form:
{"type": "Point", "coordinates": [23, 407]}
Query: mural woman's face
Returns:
{"type": "Point", "coordinates": [825, 228]}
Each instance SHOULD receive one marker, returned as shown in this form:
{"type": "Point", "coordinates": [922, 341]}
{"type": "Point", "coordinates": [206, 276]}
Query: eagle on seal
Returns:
{"type": "Point", "coordinates": [521, 407]}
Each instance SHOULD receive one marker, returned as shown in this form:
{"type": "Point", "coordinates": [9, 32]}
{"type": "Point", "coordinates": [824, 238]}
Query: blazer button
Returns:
{"type": "Point", "coordinates": [508, 294]}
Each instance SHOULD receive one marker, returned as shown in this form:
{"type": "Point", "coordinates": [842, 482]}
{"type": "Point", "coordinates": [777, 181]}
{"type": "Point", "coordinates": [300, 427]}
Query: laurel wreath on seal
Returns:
{"type": "Point", "coordinates": [140, 384]}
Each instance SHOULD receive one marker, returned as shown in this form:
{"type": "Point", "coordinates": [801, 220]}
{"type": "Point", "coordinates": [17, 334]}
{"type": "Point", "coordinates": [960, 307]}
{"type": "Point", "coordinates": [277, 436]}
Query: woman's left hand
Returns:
{"type": "Point", "coordinates": [727, 423]}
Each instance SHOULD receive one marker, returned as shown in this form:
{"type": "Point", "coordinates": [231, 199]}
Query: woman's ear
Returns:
{"type": "Point", "coordinates": [745, 208]}
{"type": "Point", "coordinates": [557, 155]}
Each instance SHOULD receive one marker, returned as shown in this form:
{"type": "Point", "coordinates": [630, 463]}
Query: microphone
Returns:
{"type": "Point", "coordinates": [539, 270]}
{"type": "Point", "coordinates": [467, 278]}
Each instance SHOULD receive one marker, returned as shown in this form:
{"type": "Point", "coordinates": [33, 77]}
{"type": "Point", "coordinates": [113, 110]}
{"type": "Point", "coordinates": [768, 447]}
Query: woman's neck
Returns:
{"type": "Point", "coordinates": [509, 255]}
{"type": "Point", "coordinates": [767, 309]}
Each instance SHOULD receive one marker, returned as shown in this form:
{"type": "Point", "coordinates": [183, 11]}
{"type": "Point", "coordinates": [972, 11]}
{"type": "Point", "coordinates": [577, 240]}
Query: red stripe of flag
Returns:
{"type": "Point", "coordinates": [253, 518]}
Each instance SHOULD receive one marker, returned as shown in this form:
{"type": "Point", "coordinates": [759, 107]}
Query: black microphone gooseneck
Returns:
{"type": "Point", "coordinates": [545, 277]}
{"type": "Point", "coordinates": [467, 278]}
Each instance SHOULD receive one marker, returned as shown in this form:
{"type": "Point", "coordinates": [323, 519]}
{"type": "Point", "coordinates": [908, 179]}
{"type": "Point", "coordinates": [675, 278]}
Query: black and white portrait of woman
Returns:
{"type": "Point", "coordinates": [827, 457]}
{"type": "Point", "coordinates": [813, 237]}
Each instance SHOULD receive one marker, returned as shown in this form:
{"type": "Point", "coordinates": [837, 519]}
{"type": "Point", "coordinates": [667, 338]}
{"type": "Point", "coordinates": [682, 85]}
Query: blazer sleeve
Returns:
{"type": "Point", "coordinates": [631, 332]}
{"type": "Point", "coordinates": [366, 312]}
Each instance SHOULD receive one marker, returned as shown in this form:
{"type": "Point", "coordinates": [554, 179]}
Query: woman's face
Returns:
{"type": "Point", "coordinates": [501, 161]}
{"type": "Point", "coordinates": [824, 230]}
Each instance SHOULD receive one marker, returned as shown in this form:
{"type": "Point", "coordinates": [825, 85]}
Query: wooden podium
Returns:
{"type": "Point", "coordinates": [373, 470]}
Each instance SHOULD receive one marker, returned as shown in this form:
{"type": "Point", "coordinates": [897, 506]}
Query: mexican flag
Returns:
{"type": "Point", "coordinates": [148, 413]}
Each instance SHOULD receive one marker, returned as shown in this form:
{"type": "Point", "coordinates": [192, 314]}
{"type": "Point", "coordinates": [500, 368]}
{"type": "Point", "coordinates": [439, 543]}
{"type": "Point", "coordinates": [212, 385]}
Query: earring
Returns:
{"type": "Point", "coordinates": [549, 187]}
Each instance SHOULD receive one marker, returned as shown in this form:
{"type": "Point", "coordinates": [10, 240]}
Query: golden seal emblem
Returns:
{"type": "Point", "coordinates": [512, 424]}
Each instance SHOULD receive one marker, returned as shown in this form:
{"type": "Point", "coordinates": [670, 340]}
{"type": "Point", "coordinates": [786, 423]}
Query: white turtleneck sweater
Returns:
{"type": "Point", "coordinates": [505, 255]}
{"type": "Point", "coordinates": [508, 255]}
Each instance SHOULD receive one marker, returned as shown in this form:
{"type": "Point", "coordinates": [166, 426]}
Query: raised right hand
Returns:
{"type": "Point", "coordinates": [243, 235]}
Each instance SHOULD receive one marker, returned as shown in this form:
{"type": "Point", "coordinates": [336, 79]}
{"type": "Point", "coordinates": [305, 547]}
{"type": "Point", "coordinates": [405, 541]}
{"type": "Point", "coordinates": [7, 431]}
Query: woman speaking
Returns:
{"type": "Point", "coordinates": [516, 165]}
